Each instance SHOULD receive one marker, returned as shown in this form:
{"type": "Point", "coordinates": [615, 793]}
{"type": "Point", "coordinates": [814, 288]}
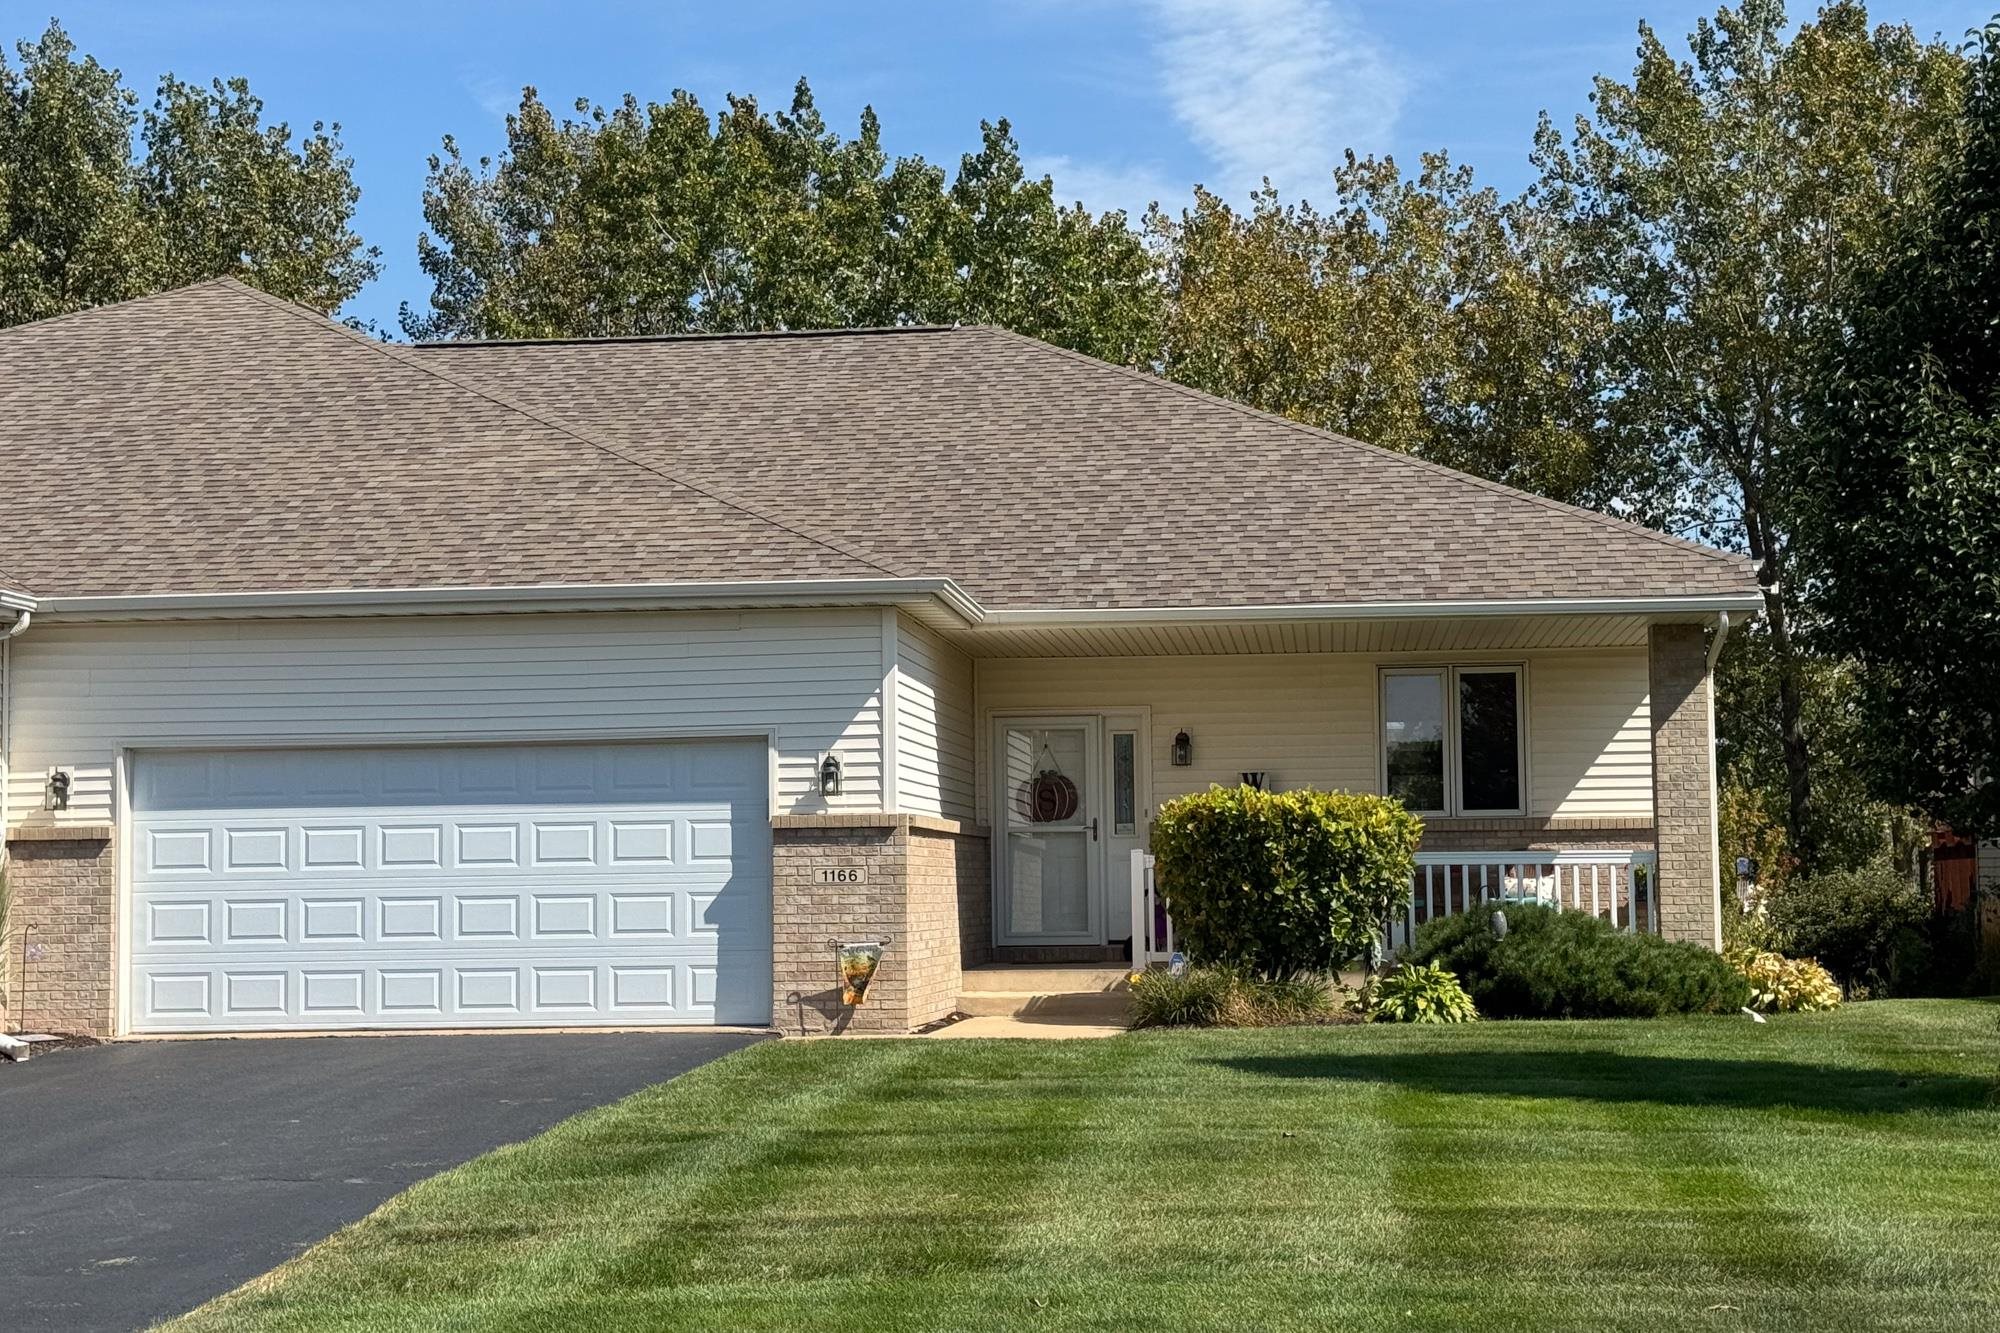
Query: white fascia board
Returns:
{"type": "Point", "coordinates": [539, 597]}
{"type": "Point", "coordinates": [1541, 606]}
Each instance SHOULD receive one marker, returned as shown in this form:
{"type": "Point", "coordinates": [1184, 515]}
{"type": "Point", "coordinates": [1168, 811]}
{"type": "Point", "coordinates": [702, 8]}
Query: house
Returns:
{"type": "Point", "coordinates": [613, 682]}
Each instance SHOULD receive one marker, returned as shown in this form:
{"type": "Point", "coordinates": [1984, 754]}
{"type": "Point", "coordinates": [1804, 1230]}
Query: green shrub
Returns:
{"type": "Point", "coordinates": [1555, 964]}
{"type": "Point", "coordinates": [1226, 997]}
{"type": "Point", "coordinates": [1867, 926]}
{"type": "Point", "coordinates": [1781, 985]}
{"type": "Point", "coordinates": [1425, 993]}
{"type": "Point", "coordinates": [1282, 883]}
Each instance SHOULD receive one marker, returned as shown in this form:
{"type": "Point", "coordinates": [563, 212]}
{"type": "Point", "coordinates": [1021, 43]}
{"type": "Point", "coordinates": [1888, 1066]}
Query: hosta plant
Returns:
{"type": "Point", "coordinates": [1781, 985]}
{"type": "Point", "coordinates": [1420, 993]}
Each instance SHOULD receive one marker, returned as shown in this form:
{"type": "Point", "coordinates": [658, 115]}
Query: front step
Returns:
{"type": "Point", "coordinates": [1050, 994]}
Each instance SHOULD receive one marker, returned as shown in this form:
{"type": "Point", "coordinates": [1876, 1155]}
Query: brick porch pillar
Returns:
{"type": "Point", "coordinates": [1683, 709]}
{"type": "Point", "coordinates": [63, 887]}
{"type": "Point", "coordinates": [918, 873]}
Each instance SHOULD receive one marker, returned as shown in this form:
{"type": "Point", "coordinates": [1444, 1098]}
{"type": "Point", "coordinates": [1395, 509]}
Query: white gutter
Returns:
{"type": "Point", "coordinates": [1721, 637]}
{"type": "Point", "coordinates": [534, 597]}
{"type": "Point", "coordinates": [836, 592]}
{"type": "Point", "coordinates": [1541, 606]}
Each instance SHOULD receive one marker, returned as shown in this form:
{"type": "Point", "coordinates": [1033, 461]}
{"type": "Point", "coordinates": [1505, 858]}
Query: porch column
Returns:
{"type": "Point", "coordinates": [1683, 707]}
{"type": "Point", "coordinates": [906, 879]}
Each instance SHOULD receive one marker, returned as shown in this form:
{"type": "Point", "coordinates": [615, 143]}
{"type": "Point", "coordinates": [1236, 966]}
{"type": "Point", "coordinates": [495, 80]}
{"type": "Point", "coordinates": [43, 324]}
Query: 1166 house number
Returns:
{"type": "Point", "coordinates": [841, 875]}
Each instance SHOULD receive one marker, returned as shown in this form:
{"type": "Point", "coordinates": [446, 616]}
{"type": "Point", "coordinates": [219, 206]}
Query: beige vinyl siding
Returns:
{"type": "Point", "coordinates": [934, 725]}
{"type": "Point", "coordinates": [1310, 719]}
{"type": "Point", "coordinates": [1590, 735]}
{"type": "Point", "coordinates": [814, 678]}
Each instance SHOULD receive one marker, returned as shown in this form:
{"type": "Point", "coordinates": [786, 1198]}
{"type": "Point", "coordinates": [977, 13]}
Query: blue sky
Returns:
{"type": "Point", "coordinates": [1121, 102]}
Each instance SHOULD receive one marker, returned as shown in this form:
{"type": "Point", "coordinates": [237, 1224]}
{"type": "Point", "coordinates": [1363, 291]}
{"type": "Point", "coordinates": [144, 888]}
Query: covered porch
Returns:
{"type": "Point", "coordinates": [1566, 759]}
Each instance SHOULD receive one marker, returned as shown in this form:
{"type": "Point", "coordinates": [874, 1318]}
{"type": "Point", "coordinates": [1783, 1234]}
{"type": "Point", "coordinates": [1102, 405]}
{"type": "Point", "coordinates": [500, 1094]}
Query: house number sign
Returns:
{"type": "Point", "coordinates": [841, 875]}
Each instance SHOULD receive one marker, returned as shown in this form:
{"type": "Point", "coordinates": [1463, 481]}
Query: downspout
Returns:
{"type": "Point", "coordinates": [1714, 777]}
{"type": "Point", "coordinates": [22, 620]}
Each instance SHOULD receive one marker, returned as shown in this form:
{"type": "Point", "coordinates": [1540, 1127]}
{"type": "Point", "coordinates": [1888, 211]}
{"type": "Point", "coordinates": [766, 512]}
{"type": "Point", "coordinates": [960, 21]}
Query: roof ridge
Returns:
{"type": "Point", "coordinates": [1411, 460]}
{"type": "Point", "coordinates": [557, 424]}
{"type": "Point", "coordinates": [741, 335]}
{"type": "Point", "coordinates": [125, 303]}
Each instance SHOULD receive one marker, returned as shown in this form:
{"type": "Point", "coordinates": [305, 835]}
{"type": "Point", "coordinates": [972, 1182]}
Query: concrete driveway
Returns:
{"type": "Point", "coordinates": [141, 1179]}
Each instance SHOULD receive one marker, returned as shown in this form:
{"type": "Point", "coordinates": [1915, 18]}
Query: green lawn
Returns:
{"type": "Point", "coordinates": [1824, 1171]}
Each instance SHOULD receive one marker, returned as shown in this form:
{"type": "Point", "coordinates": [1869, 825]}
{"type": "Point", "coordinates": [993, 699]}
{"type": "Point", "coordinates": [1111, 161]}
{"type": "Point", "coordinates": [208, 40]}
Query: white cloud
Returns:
{"type": "Point", "coordinates": [1102, 186]}
{"type": "Point", "coordinates": [1276, 88]}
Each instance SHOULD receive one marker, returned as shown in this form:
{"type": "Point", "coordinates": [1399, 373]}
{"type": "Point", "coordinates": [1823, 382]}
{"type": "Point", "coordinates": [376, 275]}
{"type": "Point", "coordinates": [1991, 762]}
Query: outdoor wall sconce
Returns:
{"type": "Point", "coordinates": [59, 784]}
{"type": "Point", "coordinates": [1183, 750]}
{"type": "Point", "coordinates": [829, 775]}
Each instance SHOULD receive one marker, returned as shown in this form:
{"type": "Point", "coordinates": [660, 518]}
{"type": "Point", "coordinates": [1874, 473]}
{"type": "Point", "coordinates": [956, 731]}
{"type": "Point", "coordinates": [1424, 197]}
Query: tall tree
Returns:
{"type": "Point", "coordinates": [1898, 506]}
{"type": "Point", "coordinates": [1722, 203]}
{"type": "Point", "coordinates": [217, 191]}
{"type": "Point", "coordinates": [1422, 314]}
{"type": "Point", "coordinates": [655, 218]}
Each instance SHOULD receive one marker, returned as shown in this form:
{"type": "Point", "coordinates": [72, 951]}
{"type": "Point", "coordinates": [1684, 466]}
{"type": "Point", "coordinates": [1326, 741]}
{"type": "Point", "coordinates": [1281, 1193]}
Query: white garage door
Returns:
{"type": "Point", "coordinates": [470, 886]}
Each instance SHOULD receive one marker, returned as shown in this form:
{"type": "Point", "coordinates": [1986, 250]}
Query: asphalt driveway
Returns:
{"type": "Point", "coordinates": [141, 1179]}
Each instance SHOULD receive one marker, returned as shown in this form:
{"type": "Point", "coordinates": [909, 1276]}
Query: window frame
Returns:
{"type": "Point", "coordinates": [1450, 673]}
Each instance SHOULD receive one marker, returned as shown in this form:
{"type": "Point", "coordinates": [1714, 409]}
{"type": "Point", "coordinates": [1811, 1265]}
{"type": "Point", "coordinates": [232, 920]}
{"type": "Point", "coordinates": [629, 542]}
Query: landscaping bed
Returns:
{"type": "Point", "coordinates": [1830, 1170]}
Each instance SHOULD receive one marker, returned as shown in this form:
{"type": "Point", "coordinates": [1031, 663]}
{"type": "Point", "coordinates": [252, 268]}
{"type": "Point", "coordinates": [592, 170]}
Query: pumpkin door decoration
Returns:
{"type": "Point", "coordinates": [858, 963]}
{"type": "Point", "coordinates": [1051, 796]}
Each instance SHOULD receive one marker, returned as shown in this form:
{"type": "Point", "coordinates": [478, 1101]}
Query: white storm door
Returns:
{"type": "Point", "coordinates": [1050, 867]}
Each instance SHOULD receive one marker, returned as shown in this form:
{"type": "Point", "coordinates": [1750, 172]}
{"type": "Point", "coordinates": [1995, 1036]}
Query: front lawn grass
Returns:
{"type": "Point", "coordinates": [1821, 1171]}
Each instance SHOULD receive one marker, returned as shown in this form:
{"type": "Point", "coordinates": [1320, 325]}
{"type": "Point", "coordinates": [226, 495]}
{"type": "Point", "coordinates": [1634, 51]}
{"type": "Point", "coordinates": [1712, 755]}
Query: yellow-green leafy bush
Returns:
{"type": "Point", "coordinates": [1420, 993]}
{"type": "Point", "coordinates": [1781, 985]}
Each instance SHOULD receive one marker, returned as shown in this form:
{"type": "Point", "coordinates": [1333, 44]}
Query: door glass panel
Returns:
{"type": "Point", "coordinates": [1124, 783]}
{"type": "Point", "coordinates": [1489, 739]}
{"type": "Point", "coordinates": [1048, 833]}
{"type": "Point", "coordinates": [1048, 884]}
{"type": "Point", "coordinates": [1413, 738]}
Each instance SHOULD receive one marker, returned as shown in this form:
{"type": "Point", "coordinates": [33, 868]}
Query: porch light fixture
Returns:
{"type": "Point", "coordinates": [59, 785]}
{"type": "Point", "coordinates": [829, 775]}
{"type": "Point", "coordinates": [1183, 750]}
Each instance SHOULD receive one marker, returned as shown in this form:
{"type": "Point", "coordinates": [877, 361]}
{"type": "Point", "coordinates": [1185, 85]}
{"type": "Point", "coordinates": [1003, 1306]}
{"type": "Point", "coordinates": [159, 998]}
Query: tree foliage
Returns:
{"type": "Point", "coordinates": [1898, 502]}
{"type": "Point", "coordinates": [1421, 313]}
{"type": "Point", "coordinates": [1722, 202]}
{"type": "Point", "coordinates": [655, 218]}
{"type": "Point", "coordinates": [216, 192]}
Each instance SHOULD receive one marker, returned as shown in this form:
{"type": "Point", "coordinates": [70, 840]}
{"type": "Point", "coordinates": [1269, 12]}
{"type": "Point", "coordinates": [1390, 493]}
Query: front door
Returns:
{"type": "Point", "coordinates": [1050, 889]}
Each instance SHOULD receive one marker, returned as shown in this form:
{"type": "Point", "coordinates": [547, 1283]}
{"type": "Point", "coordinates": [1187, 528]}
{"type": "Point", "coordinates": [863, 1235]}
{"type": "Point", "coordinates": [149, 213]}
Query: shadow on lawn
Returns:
{"type": "Point", "coordinates": [1610, 1077]}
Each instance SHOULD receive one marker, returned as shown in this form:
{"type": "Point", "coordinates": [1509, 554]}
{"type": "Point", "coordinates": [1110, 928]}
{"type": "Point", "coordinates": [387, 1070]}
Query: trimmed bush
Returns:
{"type": "Point", "coordinates": [1781, 985]}
{"type": "Point", "coordinates": [1224, 997]}
{"type": "Point", "coordinates": [1865, 926]}
{"type": "Point", "coordinates": [1573, 965]}
{"type": "Point", "coordinates": [1282, 883]}
{"type": "Point", "coordinates": [1424, 993]}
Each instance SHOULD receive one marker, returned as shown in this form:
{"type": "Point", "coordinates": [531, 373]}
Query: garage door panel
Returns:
{"type": "Point", "coordinates": [465, 993]}
{"type": "Point", "coordinates": [474, 775]}
{"type": "Point", "coordinates": [520, 884]}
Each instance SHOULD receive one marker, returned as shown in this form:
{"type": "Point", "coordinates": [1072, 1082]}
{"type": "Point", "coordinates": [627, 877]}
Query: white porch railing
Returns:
{"type": "Point", "coordinates": [1612, 883]}
{"type": "Point", "coordinates": [1615, 884]}
{"type": "Point", "coordinates": [1152, 929]}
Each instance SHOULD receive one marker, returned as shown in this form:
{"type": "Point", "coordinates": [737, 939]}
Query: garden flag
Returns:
{"type": "Point", "coordinates": [857, 968]}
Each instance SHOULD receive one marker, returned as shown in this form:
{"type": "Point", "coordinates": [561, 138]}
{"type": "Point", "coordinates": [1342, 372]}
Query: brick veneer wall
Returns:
{"type": "Point", "coordinates": [63, 886]}
{"type": "Point", "coordinates": [1684, 784]}
{"type": "Point", "coordinates": [917, 873]}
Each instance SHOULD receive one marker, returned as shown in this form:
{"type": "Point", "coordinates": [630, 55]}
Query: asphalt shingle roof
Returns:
{"type": "Point", "coordinates": [214, 438]}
